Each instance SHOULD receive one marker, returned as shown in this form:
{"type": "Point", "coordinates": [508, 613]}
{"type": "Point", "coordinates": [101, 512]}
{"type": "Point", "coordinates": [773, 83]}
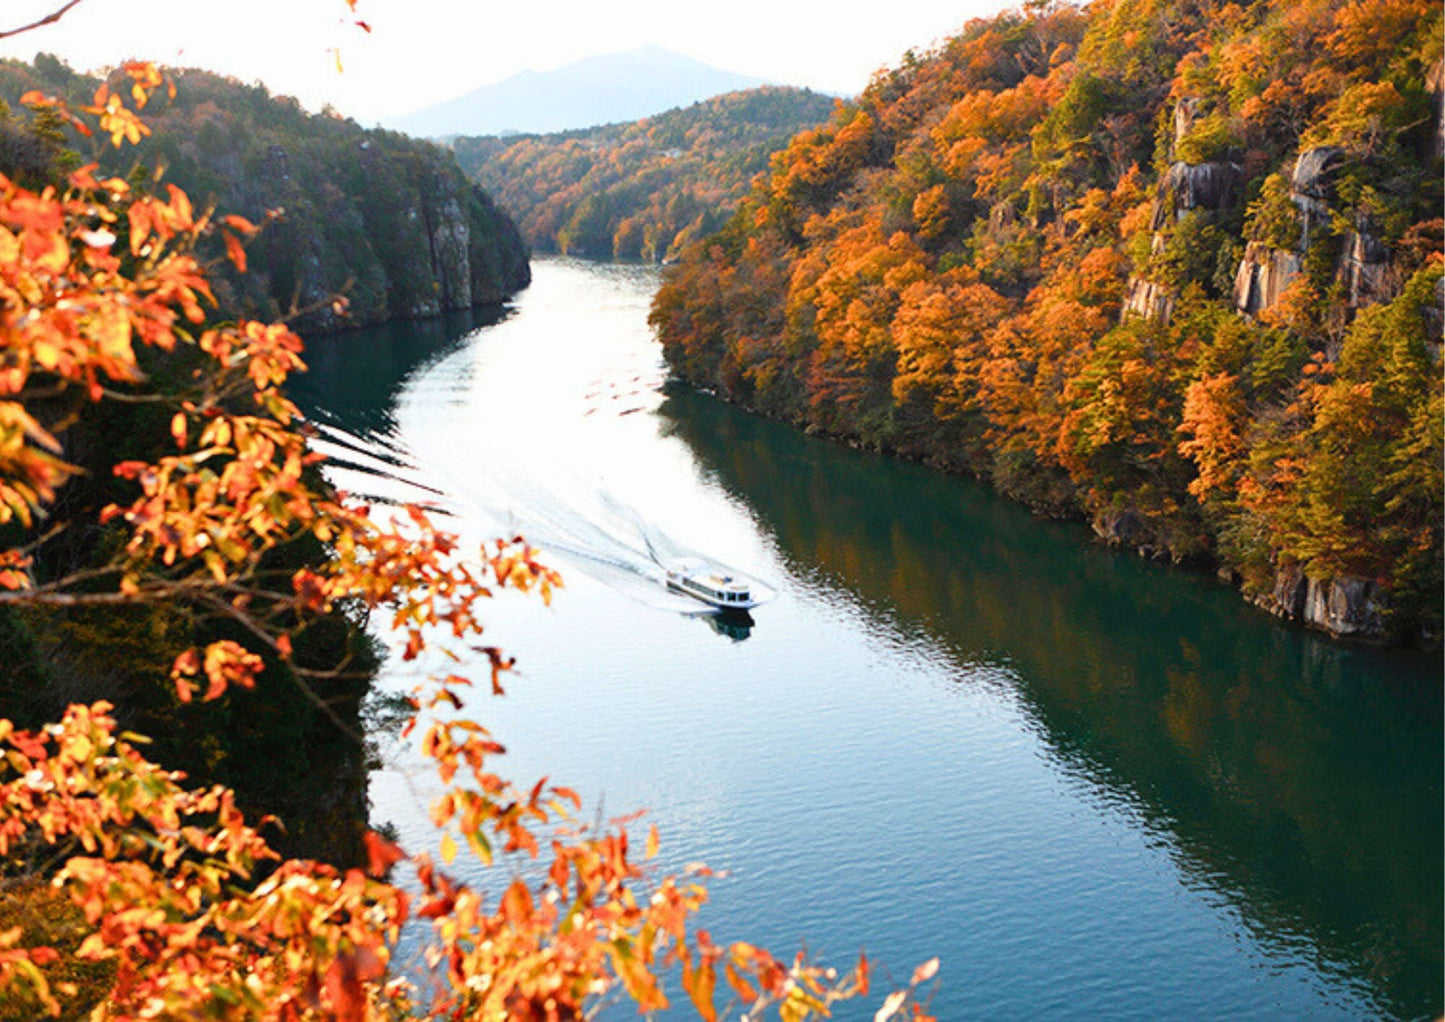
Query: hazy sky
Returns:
{"type": "Point", "coordinates": [423, 51]}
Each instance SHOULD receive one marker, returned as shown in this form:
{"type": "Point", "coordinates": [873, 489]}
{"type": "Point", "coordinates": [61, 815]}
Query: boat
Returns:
{"type": "Point", "coordinates": [710, 584]}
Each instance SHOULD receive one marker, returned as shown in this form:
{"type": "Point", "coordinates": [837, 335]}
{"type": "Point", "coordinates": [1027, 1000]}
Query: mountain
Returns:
{"type": "Point", "coordinates": [596, 90]}
{"type": "Point", "coordinates": [1172, 267]}
{"type": "Point", "coordinates": [643, 189]}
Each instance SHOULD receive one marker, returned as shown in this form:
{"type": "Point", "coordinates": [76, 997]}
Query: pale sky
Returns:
{"type": "Point", "coordinates": [423, 51]}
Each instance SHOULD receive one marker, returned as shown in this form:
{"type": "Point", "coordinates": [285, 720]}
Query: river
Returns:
{"type": "Point", "coordinates": [1094, 786]}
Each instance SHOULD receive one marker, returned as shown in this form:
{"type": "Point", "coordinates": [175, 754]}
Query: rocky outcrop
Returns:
{"type": "Point", "coordinates": [447, 238]}
{"type": "Point", "coordinates": [1147, 300]}
{"type": "Point", "coordinates": [1363, 269]}
{"type": "Point", "coordinates": [1185, 113]}
{"type": "Point", "coordinates": [1287, 598]}
{"type": "Point", "coordinates": [1263, 275]}
{"type": "Point", "coordinates": [1435, 319]}
{"type": "Point", "coordinates": [1312, 186]}
{"type": "Point", "coordinates": [1208, 186]}
{"type": "Point", "coordinates": [1204, 188]}
{"type": "Point", "coordinates": [1346, 608]}
{"type": "Point", "coordinates": [1129, 529]}
{"type": "Point", "coordinates": [1265, 272]}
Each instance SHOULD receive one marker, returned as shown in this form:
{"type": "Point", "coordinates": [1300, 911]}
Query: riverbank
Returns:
{"type": "Point", "coordinates": [1138, 794]}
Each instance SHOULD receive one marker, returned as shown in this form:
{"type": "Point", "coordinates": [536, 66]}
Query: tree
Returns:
{"type": "Point", "coordinates": [105, 301]}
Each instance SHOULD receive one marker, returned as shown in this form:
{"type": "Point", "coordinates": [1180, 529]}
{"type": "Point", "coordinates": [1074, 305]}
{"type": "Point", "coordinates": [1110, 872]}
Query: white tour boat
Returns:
{"type": "Point", "coordinates": [710, 584]}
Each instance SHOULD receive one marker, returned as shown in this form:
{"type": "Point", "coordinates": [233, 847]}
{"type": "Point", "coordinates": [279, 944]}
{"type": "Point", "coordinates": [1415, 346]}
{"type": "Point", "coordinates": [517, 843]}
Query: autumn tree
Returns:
{"type": "Point", "coordinates": [1069, 250]}
{"type": "Point", "coordinates": [107, 302]}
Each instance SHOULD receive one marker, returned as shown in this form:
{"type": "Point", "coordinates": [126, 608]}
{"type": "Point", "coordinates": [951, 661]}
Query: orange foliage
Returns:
{"type": "Point", "coordinates": [195, 910]}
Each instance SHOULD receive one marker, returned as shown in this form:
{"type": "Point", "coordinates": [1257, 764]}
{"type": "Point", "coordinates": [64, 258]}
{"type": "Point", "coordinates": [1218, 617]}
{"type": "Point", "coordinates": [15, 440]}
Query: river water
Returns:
{"type": "Point", "coordinates": [1095, 787]}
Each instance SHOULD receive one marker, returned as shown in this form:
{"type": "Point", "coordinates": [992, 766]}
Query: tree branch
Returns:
{"type": "Point", "coordinates": [49, 19]}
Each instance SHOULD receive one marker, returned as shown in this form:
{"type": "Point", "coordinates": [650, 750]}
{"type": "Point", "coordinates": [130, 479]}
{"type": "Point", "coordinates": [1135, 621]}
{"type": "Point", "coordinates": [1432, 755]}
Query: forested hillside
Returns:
{"type": "Point", "coordinates": [389, 221]}
{"type": "Point", "coordinates": [1172, 266]}
{"type": "Point", "coordinates": [645, 189]}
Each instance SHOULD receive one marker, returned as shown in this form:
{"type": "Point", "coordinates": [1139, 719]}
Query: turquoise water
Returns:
{"type": "Point", "coordinates": [1094, 786]}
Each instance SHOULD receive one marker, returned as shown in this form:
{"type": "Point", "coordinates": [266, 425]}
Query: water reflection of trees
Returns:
{"type": "Point", "coordinates": [1299, 778]}
{"type": "Point", "coordinates": [354, 377]}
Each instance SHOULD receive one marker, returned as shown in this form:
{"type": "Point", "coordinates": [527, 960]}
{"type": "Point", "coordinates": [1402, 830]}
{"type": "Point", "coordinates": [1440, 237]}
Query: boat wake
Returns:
{"type": "Point", "coordinates": [578, 522]}
{"type": "Point", "coordinates": [603, 537]}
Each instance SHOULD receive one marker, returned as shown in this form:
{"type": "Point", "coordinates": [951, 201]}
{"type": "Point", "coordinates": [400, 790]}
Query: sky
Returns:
{"type": "Point", "coordinates": [420, 52]}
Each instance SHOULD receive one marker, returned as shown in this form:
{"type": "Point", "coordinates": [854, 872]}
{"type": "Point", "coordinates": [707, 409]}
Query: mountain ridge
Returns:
{"type": "Point", "coordinates": [603, 89]}
{"type": "Point", "coordinates": [642, 189]}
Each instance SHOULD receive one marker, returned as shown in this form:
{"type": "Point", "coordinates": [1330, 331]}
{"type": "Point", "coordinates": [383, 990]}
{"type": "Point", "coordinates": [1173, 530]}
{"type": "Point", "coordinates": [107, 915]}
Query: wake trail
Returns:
{"type": "Point", "coordinates": [600, 535]}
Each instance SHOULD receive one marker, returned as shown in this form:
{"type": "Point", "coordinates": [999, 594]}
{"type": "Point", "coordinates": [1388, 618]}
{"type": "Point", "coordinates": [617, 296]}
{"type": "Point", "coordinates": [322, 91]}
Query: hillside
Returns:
{"type": "Point", "coordinates": [640, 190]}
{"type": "Point", "coordinates": [389, 221]}
{"type": "Point", "coordinates": [1172, 267]}
{"type": "Point", "coordinates": [596, 90]}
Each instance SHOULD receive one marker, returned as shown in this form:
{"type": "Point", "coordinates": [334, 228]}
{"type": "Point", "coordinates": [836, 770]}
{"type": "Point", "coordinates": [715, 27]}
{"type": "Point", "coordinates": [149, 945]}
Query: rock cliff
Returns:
{"type": "Point", "coordinates": [358, 226]}
{"type": "Point", "coordinates": [1204, 190]}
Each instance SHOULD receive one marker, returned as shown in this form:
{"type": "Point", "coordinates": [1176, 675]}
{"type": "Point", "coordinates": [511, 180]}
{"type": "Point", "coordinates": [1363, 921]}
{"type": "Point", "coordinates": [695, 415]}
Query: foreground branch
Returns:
{"type": "Point", "coordinates": [49, 19]}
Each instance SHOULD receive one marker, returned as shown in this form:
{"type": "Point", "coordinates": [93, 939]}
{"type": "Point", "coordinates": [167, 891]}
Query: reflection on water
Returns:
{"type": "Point", "coordinates": [349, 394]}
{"type": "Point", "coordinates": [732, 624]}
{"type": "Point", "coordinates": [1096, 787]}
{"type": "Point", "coordinates": [1302, 777]}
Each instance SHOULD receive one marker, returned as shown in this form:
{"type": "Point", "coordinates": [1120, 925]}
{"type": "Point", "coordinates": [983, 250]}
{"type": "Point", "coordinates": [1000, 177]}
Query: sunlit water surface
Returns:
{"type": "Point", "coordinates": [1094, 786]}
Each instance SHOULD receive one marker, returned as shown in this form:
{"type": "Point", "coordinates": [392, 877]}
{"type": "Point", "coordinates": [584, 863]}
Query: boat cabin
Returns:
{"type": "Point", "coordinates": [709, 584]}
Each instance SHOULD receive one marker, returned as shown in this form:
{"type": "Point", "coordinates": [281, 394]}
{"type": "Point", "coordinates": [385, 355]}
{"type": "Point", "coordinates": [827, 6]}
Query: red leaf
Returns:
{"type": "Point", "coordinates": [343, 987]}
{"type": "Point", "coordinates": [235, 252]}
{"type": "Point", "coordinates": [381, 854]}
{"type": "Point", "coordinates": [517, 904]}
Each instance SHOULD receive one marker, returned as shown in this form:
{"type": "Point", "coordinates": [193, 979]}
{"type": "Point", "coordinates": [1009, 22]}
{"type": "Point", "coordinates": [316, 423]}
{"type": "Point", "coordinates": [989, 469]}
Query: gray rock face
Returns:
{"type": "Point", "coordinates": [1188, 186]}
{"type": "Point", "coordinates": [1363, 266]}
{"type": "Point", "coordinates": [1314, 170]}
{"type": "Point", "coordinates": [1185, 112]}
{"type": "Point", "coordinates": [1435, 318]}
{"type": "Point", "coordinates": [1209, 187]}
{"type": "Point", "coordinates": [1346, 607]}
{"type": "Point", "coordinates": [1312, 186]}
{"type": "Point", "coordinates": [1126, 528]}
{"type": "Point", "coordinates": [1213, 186]}
{"type": "Point", "coordinates": [448, 237]}
{"type": "Point", "coordinates": [1263, 275]}
{"type": "Point", "coordinates": [1145, 299]}
{"type": "Point", "coordinates": [1290, 590]}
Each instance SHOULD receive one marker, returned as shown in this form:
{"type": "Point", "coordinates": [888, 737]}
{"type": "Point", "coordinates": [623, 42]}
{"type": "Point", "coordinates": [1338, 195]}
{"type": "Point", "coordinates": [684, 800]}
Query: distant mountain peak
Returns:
{"type": "Point", "coordinates": [602, 89]}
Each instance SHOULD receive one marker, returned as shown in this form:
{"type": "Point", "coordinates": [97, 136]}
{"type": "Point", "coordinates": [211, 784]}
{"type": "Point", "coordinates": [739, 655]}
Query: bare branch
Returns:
{"type": "Point", "coordinates": [49, 19]}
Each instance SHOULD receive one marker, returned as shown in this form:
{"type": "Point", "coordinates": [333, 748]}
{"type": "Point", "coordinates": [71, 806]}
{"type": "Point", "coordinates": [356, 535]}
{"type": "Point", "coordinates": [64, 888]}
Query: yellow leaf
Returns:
{"type": "Point", "coordinates": [652, 842]}
{"type": "Point", "coordinates": [448, 849]}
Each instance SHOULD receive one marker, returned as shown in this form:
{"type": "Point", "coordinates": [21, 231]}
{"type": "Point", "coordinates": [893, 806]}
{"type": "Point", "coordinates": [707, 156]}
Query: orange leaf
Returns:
{"type": "Point", "coordinates": [343, 986]}
{"type": "Point", "coordinates": [239, 223]}
{"type": "Point", "coordinates": [699, 984]}
{"type": "Point", "coordinates": [381, 854]}
{"type": "Point", "coordinates": [517, 904]}
{"type": "Point", "coordinates": [235, 252]}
